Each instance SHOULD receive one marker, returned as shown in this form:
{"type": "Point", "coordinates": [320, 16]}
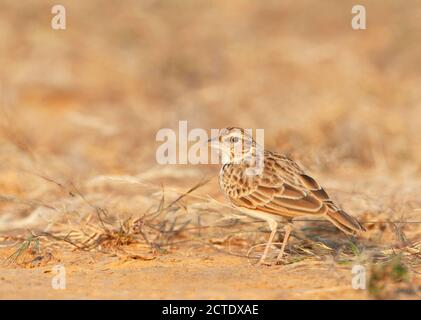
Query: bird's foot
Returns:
{"type": "Point", "coordinates": [264, 263]}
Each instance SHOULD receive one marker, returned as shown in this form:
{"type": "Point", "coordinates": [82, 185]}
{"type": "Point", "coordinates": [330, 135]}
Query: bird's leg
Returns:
{"type": "Point", "coordinates": [287, 229]}
{"type": "Point", "coordinates": [273, 226]}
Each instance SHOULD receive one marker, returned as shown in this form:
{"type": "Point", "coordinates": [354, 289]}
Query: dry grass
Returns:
{"type": "Point", "coordinates": [79, 110]}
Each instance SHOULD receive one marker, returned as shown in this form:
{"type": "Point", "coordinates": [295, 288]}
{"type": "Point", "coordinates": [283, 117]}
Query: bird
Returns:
{"type": "Point", "coordinates": [268, 185]}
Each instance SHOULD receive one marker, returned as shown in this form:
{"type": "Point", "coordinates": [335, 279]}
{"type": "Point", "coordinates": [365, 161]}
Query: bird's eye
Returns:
{"type": "Point", "coordinates": [234, 139]}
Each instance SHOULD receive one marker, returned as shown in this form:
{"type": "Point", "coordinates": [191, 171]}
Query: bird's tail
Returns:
{"type": "Point", "coordinates": [345, 222]}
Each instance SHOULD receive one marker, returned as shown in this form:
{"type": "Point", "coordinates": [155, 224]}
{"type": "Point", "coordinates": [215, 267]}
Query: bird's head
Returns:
{"type": "Point", "coordinates": [236, 145]}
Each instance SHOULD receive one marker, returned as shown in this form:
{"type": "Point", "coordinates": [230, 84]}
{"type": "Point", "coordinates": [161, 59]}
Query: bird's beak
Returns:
{"type": "Point", "coordinates": [213, 142]}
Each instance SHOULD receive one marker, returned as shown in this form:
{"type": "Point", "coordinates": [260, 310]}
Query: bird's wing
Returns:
{"type": "Point", "coordinates": [282, 189]}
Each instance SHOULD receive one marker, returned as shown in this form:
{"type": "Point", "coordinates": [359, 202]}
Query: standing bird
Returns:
{"type": "Point", "coordinates": [267, 185]}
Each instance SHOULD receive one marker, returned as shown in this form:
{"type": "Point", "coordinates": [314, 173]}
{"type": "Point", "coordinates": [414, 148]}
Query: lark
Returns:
{"type": "Point", "coordinates": [268, 185]}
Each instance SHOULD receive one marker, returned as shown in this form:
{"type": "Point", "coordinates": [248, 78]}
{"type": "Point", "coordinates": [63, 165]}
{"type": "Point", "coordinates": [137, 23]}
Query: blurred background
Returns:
{"type": "Point", "coordinates": [79, 113]}
{"type": "Point", "coordinates": [88, 100]}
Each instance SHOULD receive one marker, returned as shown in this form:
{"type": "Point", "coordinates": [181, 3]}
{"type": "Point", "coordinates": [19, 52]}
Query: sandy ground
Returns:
{"type": "Point", "coordinates": [187, 273]}
{"type": "Point", "coordinates": [182, 275]}
{"type": "Point", "coordinates": [212, 263]}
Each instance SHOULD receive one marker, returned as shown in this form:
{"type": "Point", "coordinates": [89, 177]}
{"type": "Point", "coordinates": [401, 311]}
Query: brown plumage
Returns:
{"type": "Point", "coordinates": [281, 188]}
